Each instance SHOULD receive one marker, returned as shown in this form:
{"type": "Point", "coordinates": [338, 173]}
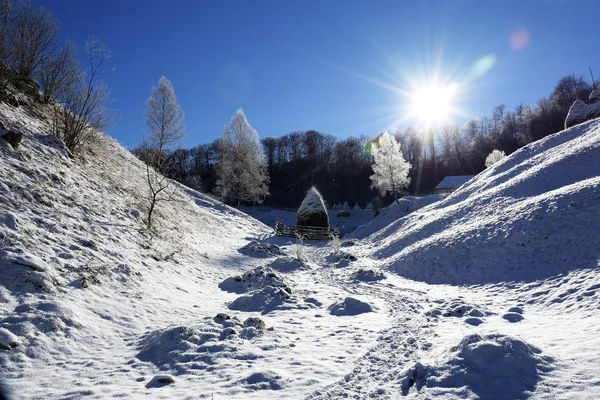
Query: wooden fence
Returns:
{"type": "Point", "coordinates": [306, 232]}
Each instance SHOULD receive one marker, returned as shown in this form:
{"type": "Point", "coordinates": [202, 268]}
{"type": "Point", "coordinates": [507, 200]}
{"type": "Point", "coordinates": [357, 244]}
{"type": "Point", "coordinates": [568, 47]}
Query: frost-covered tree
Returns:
{"type": "Point", "coordinates": [242, 166]}
{"type": "Point", "coordinates": [390, 169]}
{"type": "Point", "coordinates": [164, 119]}
{"type": "Point", "coordinates": [494, 157]}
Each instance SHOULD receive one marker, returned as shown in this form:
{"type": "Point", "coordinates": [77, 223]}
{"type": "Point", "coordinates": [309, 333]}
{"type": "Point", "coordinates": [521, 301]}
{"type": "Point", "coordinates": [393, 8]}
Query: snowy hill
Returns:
{"type": "Point", "coordinates": [533, 215]}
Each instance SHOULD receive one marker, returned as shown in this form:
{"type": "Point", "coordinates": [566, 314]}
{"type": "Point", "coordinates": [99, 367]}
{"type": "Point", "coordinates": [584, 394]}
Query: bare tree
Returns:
{"type": "Point", "coordinates": [59, 72]}
{"type": "Point", "coordinates": [5, 10]}
{"type": "Point", "coordinates": [164, 119]}
{"type": "Point", "coordinates": [5, 72]}
{"type": "Point", "coordinates": [81, 107]}
{"type": "Point", "coordinates": [32, 37]}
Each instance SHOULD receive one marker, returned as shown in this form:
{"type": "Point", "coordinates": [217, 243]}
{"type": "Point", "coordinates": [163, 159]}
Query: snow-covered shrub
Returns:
{"type": "Point", "coordinates": [312, 211]}
{"type": "Point", "coordinates": [494, 157]}
{"type": "Point", "coordinates": [299, 248]}
{"type": "Point", "coordinates": [335, 242]}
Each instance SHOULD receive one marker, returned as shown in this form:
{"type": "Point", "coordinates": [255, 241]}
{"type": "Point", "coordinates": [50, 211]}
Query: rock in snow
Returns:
{"type": "Point", "coordinates": [7, 339]}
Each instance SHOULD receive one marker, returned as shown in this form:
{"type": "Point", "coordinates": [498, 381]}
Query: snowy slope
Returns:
{"type": "Point", "coordinates": [393, 212]}
{"type": "Point", "coordinates": [531, 216]}
{"type": "Point", "coordinates": [79, 272]}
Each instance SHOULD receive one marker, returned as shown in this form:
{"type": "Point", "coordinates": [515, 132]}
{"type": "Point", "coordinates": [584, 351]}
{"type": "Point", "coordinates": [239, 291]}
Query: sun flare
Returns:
{"type": "Point", "coordinates": [432, 103]}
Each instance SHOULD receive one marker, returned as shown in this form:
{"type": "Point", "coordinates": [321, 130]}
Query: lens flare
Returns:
{"type": "Point", "coordinates": [519, 40]}
{"type": "Point", "coordinates": [483, 65]}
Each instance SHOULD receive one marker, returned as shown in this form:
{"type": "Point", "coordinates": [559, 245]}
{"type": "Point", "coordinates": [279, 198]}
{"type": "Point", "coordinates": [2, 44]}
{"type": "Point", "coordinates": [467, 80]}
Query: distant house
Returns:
{"type": "Point", "coordinates": [450, 183]}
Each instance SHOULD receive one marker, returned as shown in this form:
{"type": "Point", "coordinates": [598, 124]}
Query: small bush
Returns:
{"type": "Point", "coordinates": [335, 242]}
{"type": "Point", "coordinates": [299, 248]}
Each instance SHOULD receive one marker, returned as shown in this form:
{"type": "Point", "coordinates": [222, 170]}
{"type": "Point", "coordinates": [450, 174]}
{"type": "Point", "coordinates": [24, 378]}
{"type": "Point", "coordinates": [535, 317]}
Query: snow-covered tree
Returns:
{"type": "Point", "coordinates": [494, 157]}
{"type": "Point", "coordinates": [390, 169]}
{"type": "Point", "coordinates": [164, 119]}
{"type": "Point", "coordinates": [242, 166]}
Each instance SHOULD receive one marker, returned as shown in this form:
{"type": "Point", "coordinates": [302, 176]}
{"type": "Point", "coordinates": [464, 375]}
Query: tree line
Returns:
{"type": "Point", "coordinates": [340, 168]}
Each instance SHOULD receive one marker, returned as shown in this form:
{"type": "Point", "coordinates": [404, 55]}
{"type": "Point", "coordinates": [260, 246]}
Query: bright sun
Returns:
{"type": "Point", "coordinates": [431, 103]}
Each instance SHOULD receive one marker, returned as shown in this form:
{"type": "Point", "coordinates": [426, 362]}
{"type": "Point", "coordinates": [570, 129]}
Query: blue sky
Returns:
{"type": "Point", "coordinates": [340, 67]}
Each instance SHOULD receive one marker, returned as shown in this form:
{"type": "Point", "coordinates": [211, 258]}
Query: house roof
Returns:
{"type": "Point", "coordinates": [452, 182]}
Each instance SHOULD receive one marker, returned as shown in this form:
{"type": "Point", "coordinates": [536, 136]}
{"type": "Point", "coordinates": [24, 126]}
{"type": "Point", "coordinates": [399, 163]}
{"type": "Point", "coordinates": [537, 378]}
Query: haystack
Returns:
{"type": "Point", "coordinates": [312, 211]}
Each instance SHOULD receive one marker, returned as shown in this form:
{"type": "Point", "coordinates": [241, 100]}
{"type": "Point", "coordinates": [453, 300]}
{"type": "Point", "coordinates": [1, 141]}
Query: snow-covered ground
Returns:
{"type": "Point", "coordinates": [488, 293]}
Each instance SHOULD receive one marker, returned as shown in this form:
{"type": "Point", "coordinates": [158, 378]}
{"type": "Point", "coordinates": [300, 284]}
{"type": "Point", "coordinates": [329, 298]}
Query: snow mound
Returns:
{"type": "Point", "coordinates": [458, 308]}
{"type": "Point", "coordinates": [489, 367]}
{"type": "Point", "coordinates": [261, 249]}
{"type": "Point", "coordinates": [368, 275]}
{"type": "Point", "coordinates": [350, 306]}
{"type": "Point", "coordinates": [257, 278]}
{"type": "Point", "coordinates": [512, 222]}
{"type": "Point", "coordinates": [186, 348]}
{"type": "Point", "coordinates": [28, 272]}
{"type": "Point", "coordinates": [264, 300]}
{"type": "Point", "coordinates": [288, 264]}
{"type": "Point", "coordinates": [392, 213]}
{"type": "Point", "coordinates": [266, 380]}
